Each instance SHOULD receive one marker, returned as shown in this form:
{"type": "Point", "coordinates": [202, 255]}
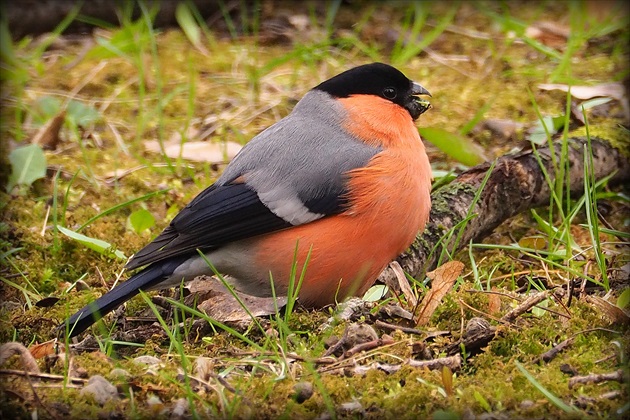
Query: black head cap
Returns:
{"type": "Point", "coordinates": [381, 80]}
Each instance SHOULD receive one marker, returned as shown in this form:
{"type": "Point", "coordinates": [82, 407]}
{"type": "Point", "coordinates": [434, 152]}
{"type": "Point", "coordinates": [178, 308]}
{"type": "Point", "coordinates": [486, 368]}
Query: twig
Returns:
{"type": "Point", "coordinates": [393, 327]}
{"type": "Point", "coordinates": [338, 345]}
{"type": "Point", "coordinates": [525, 306]}
{"type": "Point", "coordinates": [14, 275]}
{"type": "Point", "coordinates": [38, 401]}
{"type": "Point", "coordinates": [363, 369]}
{"type": "Point", "coordinates": [319, 360]}
{"type": "Point", "coordinates": [584, 401]}
{"type": "Point", "coordinates": [41, 375]}
{"type": "Point", "coordinates": [550, 354]}
{"type": "Point", "coordinates": [558, 295]}
{"type": "Point", "coordinates": [555, 350]}
{"type": "Point", "coordinates": [492, 292]}
{"type": "Point", "coordinates": [519, 273]}
{"type": "Point", "coordinates": [452, 362]}
{"type": "Point", "coordinates": [500, 320]}
{"type": "Point", "coordinates": [353, 361]}
{"type": "Point", "coordinates": [597, 378]}
{"type": "Point", "coordinates": [367, 346]}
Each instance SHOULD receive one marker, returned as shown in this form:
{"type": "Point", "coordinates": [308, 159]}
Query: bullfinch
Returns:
{"type": "Point", "coordinates": [343, 180]}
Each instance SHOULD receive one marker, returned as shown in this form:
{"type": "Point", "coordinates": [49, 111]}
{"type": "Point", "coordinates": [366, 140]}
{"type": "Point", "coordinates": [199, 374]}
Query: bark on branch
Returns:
{"type": "Point", "coordinates": [515, 184]}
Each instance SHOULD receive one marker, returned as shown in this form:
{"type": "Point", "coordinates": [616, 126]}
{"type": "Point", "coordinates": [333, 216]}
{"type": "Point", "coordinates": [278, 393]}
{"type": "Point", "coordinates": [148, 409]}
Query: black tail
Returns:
{"type": "Point", "coordinates": [145, 280]}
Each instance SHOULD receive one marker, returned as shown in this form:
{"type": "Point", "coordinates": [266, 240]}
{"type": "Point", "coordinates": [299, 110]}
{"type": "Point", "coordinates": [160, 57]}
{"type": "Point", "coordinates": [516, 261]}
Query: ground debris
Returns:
{"type": "Point", "coordinates": [550, 354]}
{"type": "Point", "coordinates": [302, 391]}
{"type": "Point", "coordinates": [598, 378]}
{"type": "Point", "coordinates": [616, 314]}
{"type": "Point", "coordinates": [442, 280]}
{"type": "Point", "coordinates": [27, 360]}
{"type": "Point", "coordinates": [454, 363]}
{"type": "Point", "coordinates": [100, 389]}
{"type": "Point", "coordinates": [354, 336]}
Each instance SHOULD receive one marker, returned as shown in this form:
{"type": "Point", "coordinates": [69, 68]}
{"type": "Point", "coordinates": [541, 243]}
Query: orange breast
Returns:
{"type": "Point", "coordinates": [389, 204]}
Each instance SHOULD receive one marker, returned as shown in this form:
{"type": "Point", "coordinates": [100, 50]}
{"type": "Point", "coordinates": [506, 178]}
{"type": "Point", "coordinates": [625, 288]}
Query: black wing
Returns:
{"type": "Point", "coordinates": [218, 215]}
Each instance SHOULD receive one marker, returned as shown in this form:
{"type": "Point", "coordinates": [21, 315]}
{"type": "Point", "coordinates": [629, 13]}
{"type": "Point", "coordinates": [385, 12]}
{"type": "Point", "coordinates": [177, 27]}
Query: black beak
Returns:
{"type": "Point", "coordinates": [416, 89]}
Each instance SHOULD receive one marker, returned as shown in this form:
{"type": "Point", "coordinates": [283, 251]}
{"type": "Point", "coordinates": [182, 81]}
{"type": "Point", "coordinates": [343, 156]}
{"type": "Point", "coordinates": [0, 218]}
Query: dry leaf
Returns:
{"type": "Point", "coordinates": [48, 135]}
{"type": "Point", "coordinates": [502, 128]}
{"type": "Point", "coordinates": [217, 302]}
{"type": "Point", "coordinates": [402, 284]}
{"type": "Point", "coordinates": [537, 243]}
{"type": "Point", "coordinates": [611, 90]}
{"type": "Point", "coordinates": [615, 91]}
{"type": "Point", "coordinates": [198, 151]}
{"type": "Point", "coordinates": [443, 278]}
{"type": "Point", "coordinates": [615, 313]}
{"type": "Point", "coordinates": [447, 380]}
{"type": "Point", "coordinates": [44, 349]}
{"type": "Point", "coordinates": [551, 34]}
{"type": "Point", "coordinates": [494, 302]}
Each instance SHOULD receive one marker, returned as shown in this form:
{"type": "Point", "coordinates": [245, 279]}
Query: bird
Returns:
{"type": "Point", "coordinates": [340, 186]}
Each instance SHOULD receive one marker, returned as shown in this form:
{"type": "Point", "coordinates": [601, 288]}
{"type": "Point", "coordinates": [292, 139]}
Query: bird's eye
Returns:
{"type": "Point", "coordinates": [389, 92]}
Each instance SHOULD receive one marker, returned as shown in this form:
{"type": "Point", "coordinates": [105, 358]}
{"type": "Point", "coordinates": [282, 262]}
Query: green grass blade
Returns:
{"type": "Point", "coordinates": [550, 396]}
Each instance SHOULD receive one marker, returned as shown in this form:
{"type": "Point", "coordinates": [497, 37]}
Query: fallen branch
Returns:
{"type": "Point", "coordinates": [516, 184]}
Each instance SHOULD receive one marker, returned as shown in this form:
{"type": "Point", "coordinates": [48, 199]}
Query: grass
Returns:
{"type": "Point", "coordinates": [152, 84]}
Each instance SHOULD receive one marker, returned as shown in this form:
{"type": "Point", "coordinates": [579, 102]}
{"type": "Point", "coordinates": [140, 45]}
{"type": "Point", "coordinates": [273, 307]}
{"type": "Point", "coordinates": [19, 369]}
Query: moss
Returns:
{"type": "Point", "coordinates": [610, 131]}
{"type": "Point", "coordinates": [239, 88]}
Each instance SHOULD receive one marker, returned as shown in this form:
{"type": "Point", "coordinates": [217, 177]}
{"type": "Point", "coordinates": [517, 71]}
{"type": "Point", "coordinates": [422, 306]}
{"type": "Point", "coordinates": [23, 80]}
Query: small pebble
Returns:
{"type": "Point", "coordinates": [302, 391]}
{"type": "Point", "coordinates": [100, 389]}
{"type": "Point", "coordinates": [475, 326]}
{"type": "Point", "coordinates": [527, 404]}
{"type": "Point", "coordinates": [147, 360]}
{"type": "Point", "coordinates": [359, 334]}
{"type": "Point", "coordinates": [119, 373]}
{"type": "Point", "coordinates": [154, 401]}
{"type": "Point", "coordinates": [180, 408]}
{"type": "Point", "coordinates": [204, 367]}
{"type": "Point", "coordinates": [351, 407]}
